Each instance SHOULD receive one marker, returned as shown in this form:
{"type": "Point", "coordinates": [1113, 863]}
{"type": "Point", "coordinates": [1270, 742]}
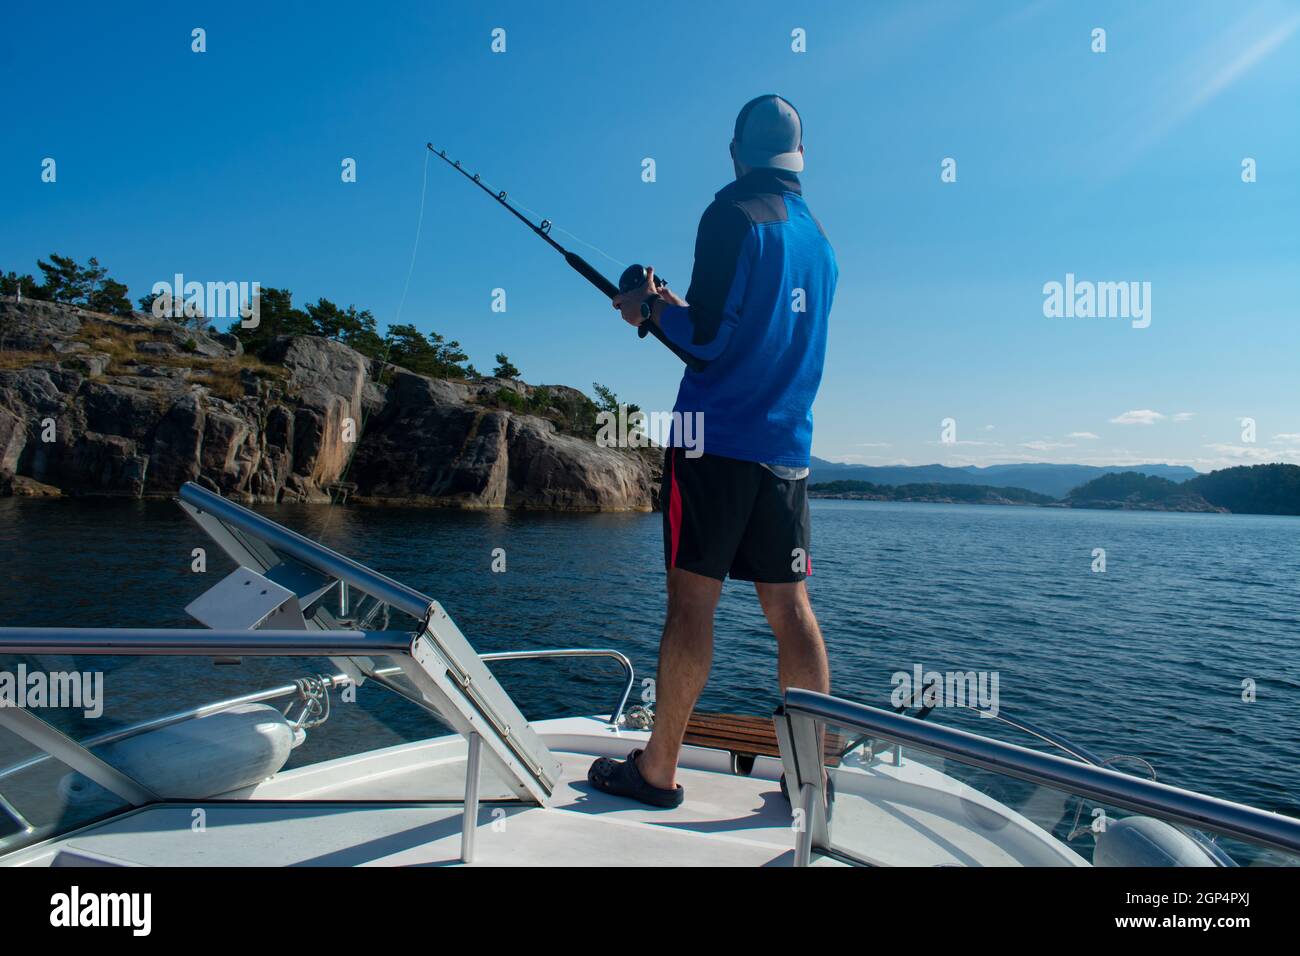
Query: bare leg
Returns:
{"type": "Point", "coordinates": [800, 653]}
{"type": "Point", "coordinates": [685, 656]}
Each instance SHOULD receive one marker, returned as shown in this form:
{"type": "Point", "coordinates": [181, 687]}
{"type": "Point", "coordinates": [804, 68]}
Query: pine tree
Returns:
{"type": "Point", "coordinates": [110, 297]}
{"type": "Point", "coordinates": [65, 281]}
{"type": "Point", "coordinates": [504, 369]}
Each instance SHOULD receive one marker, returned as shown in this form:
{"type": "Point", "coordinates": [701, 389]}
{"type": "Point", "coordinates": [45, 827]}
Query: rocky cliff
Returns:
{"type": "Point", "coordinates": [93, 404]}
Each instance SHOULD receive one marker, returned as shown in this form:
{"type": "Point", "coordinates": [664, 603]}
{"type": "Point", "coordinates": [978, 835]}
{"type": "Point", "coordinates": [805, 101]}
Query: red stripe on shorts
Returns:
{"type": "Point", "coordinates": [675, 512]}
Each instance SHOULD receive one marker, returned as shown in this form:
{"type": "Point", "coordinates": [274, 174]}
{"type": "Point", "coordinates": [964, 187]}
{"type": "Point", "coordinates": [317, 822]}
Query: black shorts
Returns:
{"type": "Point", "coordinates": [723, 516]}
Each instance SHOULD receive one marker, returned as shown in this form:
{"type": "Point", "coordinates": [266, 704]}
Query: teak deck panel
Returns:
{"type": "Point", "coordinates": [746, 735]}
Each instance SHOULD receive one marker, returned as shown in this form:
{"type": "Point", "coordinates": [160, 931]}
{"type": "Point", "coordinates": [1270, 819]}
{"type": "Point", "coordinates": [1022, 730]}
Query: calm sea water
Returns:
{"type": "Point", "coordinates": [1147, 658]}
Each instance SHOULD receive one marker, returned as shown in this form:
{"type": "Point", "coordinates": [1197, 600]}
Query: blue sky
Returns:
{"type": "Point", "coordinates": [1115, 166]}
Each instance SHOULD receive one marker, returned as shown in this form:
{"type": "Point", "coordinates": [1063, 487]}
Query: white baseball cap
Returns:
{"type": "Point", "coordinates": [768, 134]}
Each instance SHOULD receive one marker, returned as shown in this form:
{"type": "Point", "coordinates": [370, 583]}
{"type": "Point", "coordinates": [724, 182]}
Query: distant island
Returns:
{"type": "Point", "coordinates": [1132, 491]}
{"type": "Point", "coordinates": [1046, 478]}
{"type": "Point", "coordinates": [931, 491]}
{"type": "Point", "coordinates": [1247, 489]}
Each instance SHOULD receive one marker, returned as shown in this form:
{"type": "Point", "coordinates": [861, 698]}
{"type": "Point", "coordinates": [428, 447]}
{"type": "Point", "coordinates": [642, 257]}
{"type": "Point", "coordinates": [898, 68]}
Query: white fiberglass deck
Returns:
{"type": "Point", "coordinates": [905, 816]}
{"type": "Point", "coordinates": [719, 827]}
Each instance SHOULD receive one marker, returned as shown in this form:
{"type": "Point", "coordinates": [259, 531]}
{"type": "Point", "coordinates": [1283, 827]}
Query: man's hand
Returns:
{"type": "Point", "coordinates": [629, 303]}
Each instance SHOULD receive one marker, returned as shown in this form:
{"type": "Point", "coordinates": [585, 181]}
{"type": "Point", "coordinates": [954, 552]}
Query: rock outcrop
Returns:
{"type": "Point", "coordinates": [100, 405]}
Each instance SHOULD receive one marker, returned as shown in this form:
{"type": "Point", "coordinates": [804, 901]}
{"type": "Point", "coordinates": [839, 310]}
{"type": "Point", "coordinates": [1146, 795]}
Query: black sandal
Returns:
{"type": "Point", "coordinates": [622, 779]}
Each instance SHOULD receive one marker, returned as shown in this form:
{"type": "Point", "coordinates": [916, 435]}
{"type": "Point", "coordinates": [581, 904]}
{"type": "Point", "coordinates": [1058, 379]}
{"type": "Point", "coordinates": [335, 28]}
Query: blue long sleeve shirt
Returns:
{"type": "Point", "coordinates": [759, 303]}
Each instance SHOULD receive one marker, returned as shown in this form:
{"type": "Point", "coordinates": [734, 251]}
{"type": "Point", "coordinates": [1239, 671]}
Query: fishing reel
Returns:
{"type": "Point", "coordinates": [633, 277]}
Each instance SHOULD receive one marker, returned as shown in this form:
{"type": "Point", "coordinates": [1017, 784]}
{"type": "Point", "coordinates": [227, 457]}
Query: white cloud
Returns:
{"type": "Point", "coordinates": [873, 444]}
{"type": "Point", "coordinates": [1088, 435]}
{"type": "Point", "coordinates": [1044, 445]}
{"type": "Point", "coordinates": [1184, 416]}
{"type": "Point", "coordinates": [1230, 455]}
{"type": "Point", "coordinates": [1258, 452]}
{"type": "Point", "coordinates": [1140, 416]}
{"type": "Point", "coordinates": [1287, 436]}
{"type": "Point", "coordinates": [870, 460]}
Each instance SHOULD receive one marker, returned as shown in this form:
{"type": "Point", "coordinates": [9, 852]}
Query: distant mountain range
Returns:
{"type": "Point", "coordinates": [1042, 477]}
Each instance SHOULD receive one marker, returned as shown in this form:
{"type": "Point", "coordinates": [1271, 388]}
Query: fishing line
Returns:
{"type": "Point", "coordinates": [551, 226]}
{"type": "Point", "coordinates": [419, 224]}
{"type": "Point", "coordinates": [582, 242]}
{"type": "Point", "coordinates": [596, 249]}
{"type": "Point", "coordinates": [388, 339]}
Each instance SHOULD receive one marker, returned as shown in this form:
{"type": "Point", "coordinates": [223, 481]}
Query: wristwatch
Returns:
{"type": "Point", "coordinates": [648, 305]}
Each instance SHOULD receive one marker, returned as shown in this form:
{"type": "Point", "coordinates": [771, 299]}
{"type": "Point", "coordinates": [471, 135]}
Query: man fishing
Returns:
{"type": "Point", "coordinates": [756, 312]}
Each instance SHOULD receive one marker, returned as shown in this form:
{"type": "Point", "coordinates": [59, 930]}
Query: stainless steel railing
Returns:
{"type": "Point", "coordinates": [617, 714]}
{"type": "Point", "coordinates": [1019, 723]}
{"type": "Point", "coordinates": [805, 714]}
{"type": "Point", "coordinates": [199, 642]}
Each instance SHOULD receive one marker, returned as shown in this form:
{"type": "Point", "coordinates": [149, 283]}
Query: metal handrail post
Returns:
{"type": "Point", "coordinates": [469, 822]}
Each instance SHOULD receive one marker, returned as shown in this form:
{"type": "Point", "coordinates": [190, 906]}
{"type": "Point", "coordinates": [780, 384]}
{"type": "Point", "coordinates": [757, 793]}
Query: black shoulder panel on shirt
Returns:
{"type": "Point", "coordinates": [763, 208]}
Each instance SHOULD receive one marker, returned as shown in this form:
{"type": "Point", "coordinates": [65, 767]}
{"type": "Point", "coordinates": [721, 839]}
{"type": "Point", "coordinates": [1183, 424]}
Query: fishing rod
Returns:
{"type": "Point", "coordinates": [633, 277]}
